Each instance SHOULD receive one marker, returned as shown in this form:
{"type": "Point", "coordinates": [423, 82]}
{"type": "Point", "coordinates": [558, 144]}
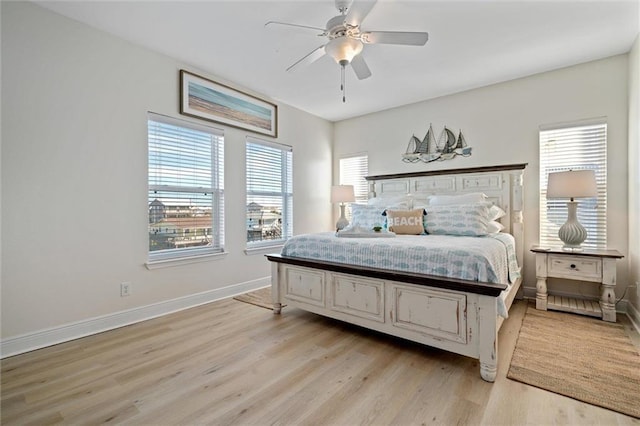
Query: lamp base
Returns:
{"type": "Point", "coordinates": [572, 249]}
{"type": "Point", "coordinates": [342, 222]}
{"type": "Point", "coordinates": [572, 233]}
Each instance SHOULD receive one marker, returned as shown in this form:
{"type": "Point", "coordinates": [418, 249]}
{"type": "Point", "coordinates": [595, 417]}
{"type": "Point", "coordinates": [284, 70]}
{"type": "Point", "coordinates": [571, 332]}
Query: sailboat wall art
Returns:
{"type": "Point", "coordinates": [428, 150]}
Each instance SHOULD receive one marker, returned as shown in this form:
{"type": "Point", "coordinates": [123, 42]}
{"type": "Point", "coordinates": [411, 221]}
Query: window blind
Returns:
{"type": "Point", "coordinates": [186, 188]}
{"type": "Point", "coordinates": [269, 214]}
{"type": "Point", "coordinates": [574, 147]}
{"type": "Point", "coordinates": [353, 170]}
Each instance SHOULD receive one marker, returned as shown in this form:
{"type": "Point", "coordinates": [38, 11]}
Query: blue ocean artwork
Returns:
{"type": "Point", "coordinates": [230, 102]}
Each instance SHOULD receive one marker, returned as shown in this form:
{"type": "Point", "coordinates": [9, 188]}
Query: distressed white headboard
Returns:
{"type": "Point", "coordinates": [502, 185]}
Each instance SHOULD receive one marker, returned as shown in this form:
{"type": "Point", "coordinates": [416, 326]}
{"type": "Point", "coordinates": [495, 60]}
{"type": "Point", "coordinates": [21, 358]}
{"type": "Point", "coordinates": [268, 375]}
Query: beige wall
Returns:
{"type": "Point", "coordinates": [74, 183]}
{"type": "Point", "coordinates": [500, 122]}
{"type": "Point", "coordinates": [634, 181]}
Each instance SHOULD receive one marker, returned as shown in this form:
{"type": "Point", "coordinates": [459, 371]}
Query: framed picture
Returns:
{"type": "Point", "coordinates": [208, 100]}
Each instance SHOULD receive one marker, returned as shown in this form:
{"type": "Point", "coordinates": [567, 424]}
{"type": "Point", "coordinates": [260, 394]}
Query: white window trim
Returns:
{"type": "Point", "coordinates": [268, 246]}
{"type": "Point", "coordinates": [545, 236]}
{"type": "Point", "coordinates": [169, 258]}
{"type": "Point", "coordinates": [184, 260]}
{"type": "Point", "coordinates": [266, 249]}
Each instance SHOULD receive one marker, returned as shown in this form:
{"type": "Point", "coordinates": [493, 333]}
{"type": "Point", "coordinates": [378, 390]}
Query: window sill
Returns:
{"type": "Point", "coordinates": [251, 251]}
{"type": "Point", "coordinates": [179, 261]}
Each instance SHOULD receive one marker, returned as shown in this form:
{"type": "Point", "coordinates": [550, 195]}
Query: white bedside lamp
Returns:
{"type": "Point", "coordinates": [342, 194]}
{"type": "Point", "coordinates": [572, 184]}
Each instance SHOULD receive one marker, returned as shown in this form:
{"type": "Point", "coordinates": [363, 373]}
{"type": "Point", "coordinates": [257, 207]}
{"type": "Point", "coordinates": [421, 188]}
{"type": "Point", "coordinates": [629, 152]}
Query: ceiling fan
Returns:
{"type": "Point", "coordinates": [347, 39]}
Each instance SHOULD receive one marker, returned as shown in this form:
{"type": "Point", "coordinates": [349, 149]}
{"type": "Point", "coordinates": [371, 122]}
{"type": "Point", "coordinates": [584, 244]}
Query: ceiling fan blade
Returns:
{"type": "Point", "coordinates": [359, 10]}
{"type": "Point", "coordinates": [395, 37]}
{"type": "Point", "coordinates": [315, 54]}
{"type": "Point", "coordinates": [293, 25]}
{"type": "Point", "coordinates": [360, 67]}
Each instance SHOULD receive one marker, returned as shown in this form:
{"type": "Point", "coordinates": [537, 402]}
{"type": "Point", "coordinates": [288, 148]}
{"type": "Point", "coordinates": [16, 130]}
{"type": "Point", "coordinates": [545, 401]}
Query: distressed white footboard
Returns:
{"type": "Point", "coordinates": [458, 321]}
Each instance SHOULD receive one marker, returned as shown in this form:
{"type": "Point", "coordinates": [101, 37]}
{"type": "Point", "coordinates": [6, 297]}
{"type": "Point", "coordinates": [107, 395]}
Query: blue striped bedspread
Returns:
{"type": "Point", "coordinates": [489, 259]}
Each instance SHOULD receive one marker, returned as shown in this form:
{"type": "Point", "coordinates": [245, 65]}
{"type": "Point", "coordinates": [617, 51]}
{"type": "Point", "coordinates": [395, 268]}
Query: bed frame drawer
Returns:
{"type": "Point", "coordinates": [305, 285]}
{"type": "Point", "coordinates": [437, 313]}
{"type": "Point", "coordinates": [359, 297]}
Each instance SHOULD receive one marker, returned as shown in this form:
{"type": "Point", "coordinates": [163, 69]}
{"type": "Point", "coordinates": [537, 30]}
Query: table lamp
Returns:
{"type": "Point", "coordinates": [342, 194]}
{"type": "Point", "coordinates": [572, 184]}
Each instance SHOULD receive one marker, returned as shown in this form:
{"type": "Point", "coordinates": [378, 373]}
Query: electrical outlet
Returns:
{"type": "Point", "coordinates": [125, 289]}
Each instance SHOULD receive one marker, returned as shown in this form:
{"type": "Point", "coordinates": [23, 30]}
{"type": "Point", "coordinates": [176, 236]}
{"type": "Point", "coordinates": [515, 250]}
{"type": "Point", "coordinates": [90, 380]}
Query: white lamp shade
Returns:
{"type": "Point", "coordinates": [572, 184]}
{"type": "Point", "coordinates": [343, 49]}
{"type": "Point", "coordinates": [342, 194]}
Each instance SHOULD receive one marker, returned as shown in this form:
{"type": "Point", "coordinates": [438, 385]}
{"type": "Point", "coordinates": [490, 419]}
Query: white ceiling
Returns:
{"type": "Point", "coordinates": [471, 44]}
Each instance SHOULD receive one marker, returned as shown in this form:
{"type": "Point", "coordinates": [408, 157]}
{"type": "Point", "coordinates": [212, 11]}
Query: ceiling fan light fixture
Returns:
{"type": "Point", "coordinates": [343, 49]}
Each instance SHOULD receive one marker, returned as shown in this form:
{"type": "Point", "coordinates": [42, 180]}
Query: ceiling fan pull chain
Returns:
{"type": "Point", "coordinates": [342, 84]}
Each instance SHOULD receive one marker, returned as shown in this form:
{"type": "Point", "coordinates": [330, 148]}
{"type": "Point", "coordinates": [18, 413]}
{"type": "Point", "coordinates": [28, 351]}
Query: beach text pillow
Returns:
{"type": "Point", "coordinates": [408, 222]}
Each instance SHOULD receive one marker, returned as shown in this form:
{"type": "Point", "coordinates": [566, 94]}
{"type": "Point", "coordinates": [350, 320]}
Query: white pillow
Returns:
{"type": "Point", "coordinates": [401, 202]}
{"type": "Point", "coordinates": [496, 212]}
{"type": "Point", "coordinates": [365, 216]}
{"type": "Point", "coordinates": [458, 219]}
{"type": "Point", "coordinates": [419, 201]}
{"type": "Point", "coordinates": [445, 200]}
{"type": "Point", "coordinates": [494, 227]}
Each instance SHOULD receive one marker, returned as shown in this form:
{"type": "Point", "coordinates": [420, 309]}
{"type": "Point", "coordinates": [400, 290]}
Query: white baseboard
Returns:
{"type": "Point", "coordinates": [529, 292]}
{"type": "Point", "coordinates": [64, 333]}
{"type": "Point", "coordinates": [634, 315]}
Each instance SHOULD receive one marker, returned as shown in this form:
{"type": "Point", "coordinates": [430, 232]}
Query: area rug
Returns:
{"type": "Point", "coordinates": [580, 357]}
{"type": "Point", "coordinates": [261, 297]}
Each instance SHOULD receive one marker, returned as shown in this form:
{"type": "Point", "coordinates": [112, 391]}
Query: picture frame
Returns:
{"type": "Point", "coordinates": [208, 100]}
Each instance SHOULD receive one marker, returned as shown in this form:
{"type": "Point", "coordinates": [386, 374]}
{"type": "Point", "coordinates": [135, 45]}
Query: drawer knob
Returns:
{"type": "Point", "coordinates": [573, 266]}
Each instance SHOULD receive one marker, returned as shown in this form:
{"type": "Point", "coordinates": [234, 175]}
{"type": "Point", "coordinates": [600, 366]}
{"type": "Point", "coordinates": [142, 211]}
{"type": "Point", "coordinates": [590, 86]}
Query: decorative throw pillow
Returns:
{"type": "Point", "coordinates": [365, 216]}
{"type": "Point", "coordinates": [458, 219]}
{"type": "Point", "coordinates": [407, 222]}
{"type": "Point", "coordinates": [445, 200]}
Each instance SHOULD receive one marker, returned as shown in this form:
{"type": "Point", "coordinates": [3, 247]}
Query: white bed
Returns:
{"type": "Point", "coordinates": [458, 315]}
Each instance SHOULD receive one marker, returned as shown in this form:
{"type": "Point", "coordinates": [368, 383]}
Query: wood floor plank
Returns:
{"type": "Point", "coordinates": [229, 363]}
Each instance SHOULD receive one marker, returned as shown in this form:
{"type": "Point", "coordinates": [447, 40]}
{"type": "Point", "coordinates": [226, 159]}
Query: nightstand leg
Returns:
{"type": "Point", "coordinates": [608, 303]}
{"type": "Point", "coordinates": [608, 295]}
{"type": "Point", "coordinates": [541, 285]}
{"type": "Point", "coordinates": [541, 294]}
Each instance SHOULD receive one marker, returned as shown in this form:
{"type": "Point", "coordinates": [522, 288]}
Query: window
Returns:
{"type": "Point", "coordinates": [186, 189]}
{"type": "Point", "coordinates": [574, 147]}
{"type": "Point", "coordinates": [353, 170]}
{"type": "Point", "coordinates": [269, 193]}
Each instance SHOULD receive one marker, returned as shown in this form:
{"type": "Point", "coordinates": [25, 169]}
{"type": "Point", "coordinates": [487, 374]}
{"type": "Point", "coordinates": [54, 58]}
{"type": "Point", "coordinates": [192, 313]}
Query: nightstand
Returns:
{"type": "Point", "coordinates": [597, 266]}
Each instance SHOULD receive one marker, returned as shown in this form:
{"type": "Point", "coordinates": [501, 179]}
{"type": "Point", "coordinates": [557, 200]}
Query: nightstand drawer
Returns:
{"type": "Point", "coordinates": [575, 267]}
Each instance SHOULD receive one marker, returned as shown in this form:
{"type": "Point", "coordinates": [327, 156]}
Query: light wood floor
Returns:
{"type": "Point", "coordinates": [234, 363]}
